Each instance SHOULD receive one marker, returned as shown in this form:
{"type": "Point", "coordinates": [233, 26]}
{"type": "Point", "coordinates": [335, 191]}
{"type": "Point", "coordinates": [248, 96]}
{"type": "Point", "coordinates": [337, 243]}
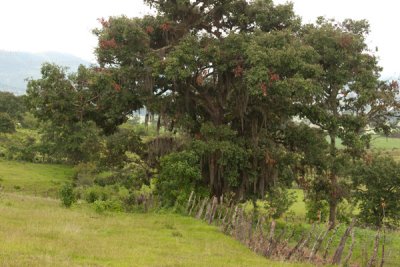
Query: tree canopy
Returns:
{"type": "Point", "coordinates": [241, 79]}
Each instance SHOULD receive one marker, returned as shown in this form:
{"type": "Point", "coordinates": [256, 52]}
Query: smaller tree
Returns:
{"type": "Point", "coordinates": [377, 189]}
{"type": "Point", "coordinates": [67, 195]}
{"type": "Point", "coordinates": [13, 105]}
{"type": "Point", "coordinates": [6, 123]}
{"type": "Point", "coordinates": [119, 145]}
{"type": "Point", "coordinates": [350, 98]}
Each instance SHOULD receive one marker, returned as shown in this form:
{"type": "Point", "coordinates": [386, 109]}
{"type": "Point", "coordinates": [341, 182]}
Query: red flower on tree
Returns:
{"type": "Point", "coordinates": [149, 29]}
{"type": "Point", "coordinates": [105, 23]}
{"type": "Point", "coordinates": [274, 77]}
{"type": "Point", "coordinates": [117, 87]}
{"type": "Point", "coordinates": [106, 44]}
{"type": "Point", "coordinates": [165, 26]}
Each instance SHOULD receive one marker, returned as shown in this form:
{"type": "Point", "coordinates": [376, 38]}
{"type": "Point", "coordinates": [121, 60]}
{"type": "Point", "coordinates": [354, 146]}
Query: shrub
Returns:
{"type": "Point", "coordinates": [114, 205]}
{"type": "Point", "coordinates": [377, 190]}
{"type": "Point", "coordinates": [179, 175]}
{"type": "Point", "coordinates": [6, 123]}
{"type": "Point", "coordinates": [96, 192]}
{"type": "Point", "coordinates": [67, 195]}
{"type": "Point", "coordinates": [85, 174]}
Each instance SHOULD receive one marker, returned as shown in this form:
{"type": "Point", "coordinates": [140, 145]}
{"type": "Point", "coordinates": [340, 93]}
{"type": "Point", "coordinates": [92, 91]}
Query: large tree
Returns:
{"type": "Point", "coordinates": [351, 98]}
{"type": "Point", "coordinates": [227, 72]}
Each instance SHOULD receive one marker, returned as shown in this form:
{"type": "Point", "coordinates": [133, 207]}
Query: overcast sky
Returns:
{"type": "Point", "coordinates": [65, 26]}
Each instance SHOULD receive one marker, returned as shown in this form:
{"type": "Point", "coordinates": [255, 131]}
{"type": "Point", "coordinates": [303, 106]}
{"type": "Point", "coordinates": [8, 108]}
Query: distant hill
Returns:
{"type": "Point", "coordinates": [15, 67]}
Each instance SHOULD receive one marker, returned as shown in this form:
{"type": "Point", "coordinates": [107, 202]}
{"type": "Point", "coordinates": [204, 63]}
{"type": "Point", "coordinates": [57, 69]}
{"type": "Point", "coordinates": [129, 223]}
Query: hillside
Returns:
{"type": "Point", "coordinates": [16, 67]}
{"type": "Point", "coordinates": [36, 231]}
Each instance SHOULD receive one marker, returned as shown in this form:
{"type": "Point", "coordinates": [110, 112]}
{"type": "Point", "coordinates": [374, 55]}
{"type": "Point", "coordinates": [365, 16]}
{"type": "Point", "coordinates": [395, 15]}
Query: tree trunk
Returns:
{"type": "Point", "coordinates": [333, 201]}
{"type": "Point", "coordinates": [332, 214]}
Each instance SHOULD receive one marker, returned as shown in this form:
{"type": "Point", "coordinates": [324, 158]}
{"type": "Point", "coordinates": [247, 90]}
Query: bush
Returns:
{"type": "Point", "coordinates": [377, 190]}
{"type": "Point", "coordinates": [111, 197]}
{"type": "Point", "coordinates": [179, 175]}
{"type": "Point", "coordinates": [67, 195]}
{"type": "Point", "coordinates": [6, 123]}
{"type": "Point", "coordinates": [85, 174]}
{"type": "Point", "coordinates": [96, 192]}
{"type": "Point", "coordinates": [141, 199]}
{"type": "Point", "coordinates": [113, 205]}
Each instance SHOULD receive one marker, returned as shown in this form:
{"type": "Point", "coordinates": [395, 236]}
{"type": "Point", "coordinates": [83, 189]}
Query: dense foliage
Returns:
{"type": "Point", "coordinates": [244, 97]}
{"type": "Point", "coordinates": [7, 125]}
{"type": "Point", "coordinates": [377, 188]}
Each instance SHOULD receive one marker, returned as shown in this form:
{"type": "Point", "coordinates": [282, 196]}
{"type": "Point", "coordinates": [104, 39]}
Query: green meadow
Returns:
{"type": "Point", "coordinates": [36, 231]}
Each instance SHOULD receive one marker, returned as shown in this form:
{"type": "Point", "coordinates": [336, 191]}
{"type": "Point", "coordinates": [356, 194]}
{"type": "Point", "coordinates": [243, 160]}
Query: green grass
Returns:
{"type": "Point", "coordinates": [385, 143]}
{"type": "Point", "coordinates": [36, 231]}
{"type": "Point", "coordinates": [299, 207]}
{"type": "Point", "coordinates": [378, 142]}
{"type": "Point", "coordinates": [33, 179]}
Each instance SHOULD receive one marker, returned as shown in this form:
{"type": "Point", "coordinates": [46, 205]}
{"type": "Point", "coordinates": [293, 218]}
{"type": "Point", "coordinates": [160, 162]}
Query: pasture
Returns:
{"type": "Point", "coordinates": [36, 231]}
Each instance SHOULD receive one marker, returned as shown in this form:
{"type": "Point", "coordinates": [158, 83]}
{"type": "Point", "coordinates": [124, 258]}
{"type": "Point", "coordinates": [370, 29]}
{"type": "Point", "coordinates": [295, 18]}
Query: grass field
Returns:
{"type": "Point", "coordinates": [33, 179]}
{"type": "Point", "coordinates": [385, 143]}
{"type": "Point", "coordinates": [37, 231]}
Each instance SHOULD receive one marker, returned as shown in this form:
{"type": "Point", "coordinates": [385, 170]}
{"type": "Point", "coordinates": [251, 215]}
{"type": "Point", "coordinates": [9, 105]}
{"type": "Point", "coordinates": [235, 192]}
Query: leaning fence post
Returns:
{"type": "Point", "coordinates": [305, 242]}
{"type": "Point", "coordinates": [372, 261]}
{"type": "Point", "coordinates": [208, 211]}
{"type": "Point", "coordinates": [193, 205]}
{"type": "Point", "coordinates": [329, 243]}
{"type": "Point", "coordinates": [202, 205]}
{"type": "Point", "coordinates": [291, 252]}
{"type": "Point", "coordinates": [339, 251]}
{"type": "Point", "coordinates": [348, 257]}
{"type": "Point", "coordinates": [318, 242]}
{"type": "Point", "coordinates": [213, 209]}
{"type": "Point", "coordinates": [189, 202]}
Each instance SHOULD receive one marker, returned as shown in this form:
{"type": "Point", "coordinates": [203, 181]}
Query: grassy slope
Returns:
{"type": "Point", "coordinates": [37, 231]}
{"type": "Point", "coordinates": [34, 179]}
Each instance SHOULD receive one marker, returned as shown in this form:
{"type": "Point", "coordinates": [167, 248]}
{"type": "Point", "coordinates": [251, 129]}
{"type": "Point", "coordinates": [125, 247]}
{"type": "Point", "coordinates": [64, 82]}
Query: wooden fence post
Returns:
{"type": "Point", "coordinates": [202, 205]}
{"type": "Point", "coordinates": [189, 202]}
{"type": "Point", "coordinates": [375, 253]}
{"type": "Point", "coordinates": [329, 243]}
{"type": "Point", "coordinates": [348, 257]}
{"type": "Point", "coordinates": [337, 257]}
{"type": "Point", "coordinates": [318, 242]}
